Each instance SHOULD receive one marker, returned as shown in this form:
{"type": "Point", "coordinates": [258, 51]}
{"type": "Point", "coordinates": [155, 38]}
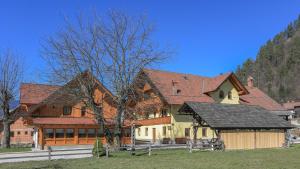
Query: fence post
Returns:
{"type": "Point", "coordinates": [191, 146]}
{"type": "Point", "coordinates": [49, 153]}
{"type": "Point", "coordinates": [150, 150]}
{"type": "Point", "coordinates": [107, 151]}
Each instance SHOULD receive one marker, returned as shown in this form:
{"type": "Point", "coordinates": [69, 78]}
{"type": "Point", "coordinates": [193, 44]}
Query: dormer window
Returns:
{"type": "Point", "coordinates": [229, 95]}
{"type": "Point", "coordinates": [221, 94]}
{"type": "Point", "coordinates": [67, 110]}
{"type": "Point", "coordinates": [83, 111]}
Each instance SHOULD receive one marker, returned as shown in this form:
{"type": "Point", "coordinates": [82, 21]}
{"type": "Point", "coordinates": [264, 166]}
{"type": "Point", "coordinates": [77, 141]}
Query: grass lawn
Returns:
{"type": "Point", "coordinates": [14, 149]}
{"type": "Point", "coordinates": [248, 159]}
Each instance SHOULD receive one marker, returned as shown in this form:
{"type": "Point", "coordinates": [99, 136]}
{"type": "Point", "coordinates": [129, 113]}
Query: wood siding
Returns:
{"type": "Point", "coordinates": [250, 139]}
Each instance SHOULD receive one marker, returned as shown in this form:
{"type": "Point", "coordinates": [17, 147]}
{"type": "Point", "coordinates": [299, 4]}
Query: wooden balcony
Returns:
{"type": "Point", "coordinates": [154, 121]}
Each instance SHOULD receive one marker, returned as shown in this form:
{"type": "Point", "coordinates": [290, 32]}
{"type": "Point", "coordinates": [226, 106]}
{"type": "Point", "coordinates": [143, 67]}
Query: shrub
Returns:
{"type": "Point", "coordinates": [98, 149]}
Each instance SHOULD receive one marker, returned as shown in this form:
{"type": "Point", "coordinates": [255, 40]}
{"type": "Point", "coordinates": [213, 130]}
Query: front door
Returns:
{"type": "Point", "coordinates": [153, 135]}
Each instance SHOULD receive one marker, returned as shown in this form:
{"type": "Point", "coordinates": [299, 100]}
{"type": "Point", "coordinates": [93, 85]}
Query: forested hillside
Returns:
{"type": "Point", "coordinates": [276, 69]}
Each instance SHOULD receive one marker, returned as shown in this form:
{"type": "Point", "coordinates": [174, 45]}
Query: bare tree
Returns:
{"type": "Point", "coordinates": [10, 78]}
{"type": "Point", "coordinates": [114, 48]}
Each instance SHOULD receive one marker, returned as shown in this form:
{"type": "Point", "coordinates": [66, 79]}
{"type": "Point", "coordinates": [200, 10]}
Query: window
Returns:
{"type": "Point", "coordinates": [83, 111]}
{"type": "Point", "coordinates": [32, 133]}
{"type": "Point", "coordinates": [169, 127]}
{"type": "Point", "coordinates": [146, 131]}
{"type": "Point", "coordinates": [49, 133]}
{"type": "Point", "coordinates": [81, 133]}
{"type": "Point", "coordinates": [18, 132]}
{"type": "Point", "coordinates": [100, 133]}
{"type": "Point", "coordinates": [67, 110]}
{"type": "Point", "coordinates": [204, 132]}
{"type": "Point", "coordinates": [12, 134]}
{"type": "Point", "coordinates": [178, 91]}
{"type": "Point", "coordinates": [59, 133]}
{"type": "Point", "coordinates": [70, 133]}
{"type": "Point", "coordinates": [229, 95]}
{"type": "Point", "coordinates": [164, 113]}
{"type": "Point", "coordinates": [187, 132]}
{"type": "Point", "coordinates": [26, 132]}
{"type": "Point", "coordinates": [221, 94]}
{"type": "Point", "coordinates": [154, 114]}
{"type": "Point", "coordinates": [139, 131]}
{"type": "Point", "coordinates": [91, 133]}
{"type": "Point", "coordinates": [146, 95]}
{"type": "Point", "coordinates": [164, 131]}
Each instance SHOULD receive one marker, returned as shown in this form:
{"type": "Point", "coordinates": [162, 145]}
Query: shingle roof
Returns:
{"type": "Point", "coordinates": [35, 93]}
{"type": "Point", "coordinates": [259, 98]}
{"type": "Point", "coordinates": [235, 116]}
{"type": "Point", "coordinates": [192, 87]}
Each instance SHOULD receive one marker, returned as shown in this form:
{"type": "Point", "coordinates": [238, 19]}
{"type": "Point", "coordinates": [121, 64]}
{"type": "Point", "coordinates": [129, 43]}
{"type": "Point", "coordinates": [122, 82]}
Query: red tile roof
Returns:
{"type": "Point", "coordinates": [35, 93]}
{"type": "Point", "coordinates": [291, 105]}
{"type": "Point", "coordinates": [259, 98]}
{"type": "Point", "coordinates": [192, 87]}
{"type": "Point", "coordinates": [64, 120]}
{"type": "Point", "coordinates": [73, 121]}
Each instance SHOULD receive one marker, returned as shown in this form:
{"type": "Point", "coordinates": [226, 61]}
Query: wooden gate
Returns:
{"type": "Point", "coordinates": [251, 139]}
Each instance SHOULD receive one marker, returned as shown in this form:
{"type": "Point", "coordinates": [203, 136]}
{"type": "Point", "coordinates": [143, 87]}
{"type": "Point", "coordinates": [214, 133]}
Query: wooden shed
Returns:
{"type": "Point", "coordinates": [239, 126]}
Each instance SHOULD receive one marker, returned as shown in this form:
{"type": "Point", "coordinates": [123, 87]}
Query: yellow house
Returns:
{"type": "Point", "coordinates": [162, 93]}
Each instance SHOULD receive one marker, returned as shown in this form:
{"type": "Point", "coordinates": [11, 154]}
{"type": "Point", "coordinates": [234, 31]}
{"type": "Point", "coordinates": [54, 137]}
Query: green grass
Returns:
{"type": "Point", "coordinates": [248, 159]}
{"type": "Point", "coordinates": [14, 149]}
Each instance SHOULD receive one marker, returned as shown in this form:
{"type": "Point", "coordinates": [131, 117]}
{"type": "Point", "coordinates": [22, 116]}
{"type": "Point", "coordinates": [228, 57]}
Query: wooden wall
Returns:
{"type": "Point", "coordinates": [251, 139]}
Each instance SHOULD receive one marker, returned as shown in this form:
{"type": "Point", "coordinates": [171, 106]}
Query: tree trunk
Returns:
{"type": "Point", "coordinates": [6, 135]}
{"type": "Point", "coordinates": [118, 125]}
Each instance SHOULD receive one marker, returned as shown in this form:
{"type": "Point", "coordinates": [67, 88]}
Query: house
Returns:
{"type": "Point", "coordinates": [19, 133]}
{"type": "Point", "coordinates": [162, 93]}
{"type": "Point", "coordinates": [239, 126]}
{"type": "Point", "coordinates": [294, 108]}
{"type": "Point", "coordinates": [54, 117]}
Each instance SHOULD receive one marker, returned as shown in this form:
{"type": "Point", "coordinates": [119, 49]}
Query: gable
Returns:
{"type": "Point", "coordinates": [227, 88]}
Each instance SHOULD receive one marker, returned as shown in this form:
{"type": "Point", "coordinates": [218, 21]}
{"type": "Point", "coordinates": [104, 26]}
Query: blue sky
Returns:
{"type": "Point", "coordinates": [210, 37]}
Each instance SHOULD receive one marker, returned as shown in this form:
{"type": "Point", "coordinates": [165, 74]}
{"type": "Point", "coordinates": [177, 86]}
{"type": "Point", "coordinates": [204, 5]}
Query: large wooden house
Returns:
{"type": "Point", "coordinates": [54, 117]}
{"type": "Point", "coordinates": [163, 93]}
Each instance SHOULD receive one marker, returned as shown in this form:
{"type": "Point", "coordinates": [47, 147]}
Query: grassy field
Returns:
{"type": "Point", "coordinates": [14, 149]}
{"type": "Point", "coordinates": [248, 159]}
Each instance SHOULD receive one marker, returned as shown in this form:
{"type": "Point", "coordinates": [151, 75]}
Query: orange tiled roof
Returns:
{"type": "Point", "coordinates": [259, 98]}
{"type": "Point", "coordinates": [73, 121]}
{"type": "Point", "coordinates": [291, 105]}
{"type": "Point", "coordinates": [193, 87]}
{"type": "Point", "coordinates": [35, 93]}
{"type": "Point", "coordinates": [64, 120]}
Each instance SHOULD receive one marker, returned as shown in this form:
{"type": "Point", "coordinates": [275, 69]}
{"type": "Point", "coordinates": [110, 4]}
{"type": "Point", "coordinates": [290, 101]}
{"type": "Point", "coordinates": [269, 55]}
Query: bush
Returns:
{"type": "Point", "coordinates": [98, 150]}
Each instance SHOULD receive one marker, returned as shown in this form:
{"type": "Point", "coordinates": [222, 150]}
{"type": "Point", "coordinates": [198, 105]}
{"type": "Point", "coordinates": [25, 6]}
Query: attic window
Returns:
{"type": "Point", "coordinates": [178, 91]}
{"type": "Point", "coordinates": [221, 94]}
{"type": "Point", "coordinates": [229, 95]}
{"type": "Point", "coordinates": [67, 110]}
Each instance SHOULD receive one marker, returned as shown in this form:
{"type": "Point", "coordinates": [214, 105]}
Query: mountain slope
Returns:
{"type": "Point", "coordinates": [276, 69]}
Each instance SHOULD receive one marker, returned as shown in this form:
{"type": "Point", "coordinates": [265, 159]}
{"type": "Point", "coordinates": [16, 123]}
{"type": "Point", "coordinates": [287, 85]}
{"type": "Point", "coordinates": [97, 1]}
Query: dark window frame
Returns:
{"type": "Point", "coordinates": [70, 134]}
{"type": "Point", "coordinates": [67, 110]}
{"type": "Point", "coordinates": [221, 94]}
{"type": "Point", "coordinates": [146, 131]}
{"type": "Point", "coordinates": [204, 132]}
{"type": "Point", "coordinates": [164, 133]}
{"type": "Point", "coordinates": [59, 134]}
{"type": "Point", "coordinates": [187, 132]}
{"type": "Point", "coordinates": [80, 135]}
{"type": "Point", "coordinates": [46, 135]}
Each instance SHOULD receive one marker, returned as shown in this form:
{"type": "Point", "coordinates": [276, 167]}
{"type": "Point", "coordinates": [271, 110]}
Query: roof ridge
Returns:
{"type": "Point", "coordinates": [39, 84]}
{"type": "Point", "coordinates": [180, 73]}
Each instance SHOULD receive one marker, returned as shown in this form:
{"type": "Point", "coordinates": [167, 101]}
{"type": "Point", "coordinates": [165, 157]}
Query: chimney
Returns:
{"type": "Point", "coordinates": [250, 81]}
